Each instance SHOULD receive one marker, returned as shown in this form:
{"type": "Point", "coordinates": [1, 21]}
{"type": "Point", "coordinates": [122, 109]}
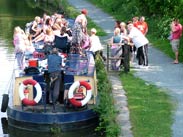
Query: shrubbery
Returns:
{"type": "Point", "coordinates": [106, 109]}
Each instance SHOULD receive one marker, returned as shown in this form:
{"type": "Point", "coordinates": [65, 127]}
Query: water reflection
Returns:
{"type": "Point", "coordinates": [4, 123]}
{"type": "Point", "coordinates": [12, 13]}
{"type": "Point", "coordinates": [12, 132]}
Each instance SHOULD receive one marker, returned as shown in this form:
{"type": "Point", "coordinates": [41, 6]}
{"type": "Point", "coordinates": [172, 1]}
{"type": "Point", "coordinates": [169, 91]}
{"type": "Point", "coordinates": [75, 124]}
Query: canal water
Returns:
{"type": "Point", "coordinates": [18, 13]}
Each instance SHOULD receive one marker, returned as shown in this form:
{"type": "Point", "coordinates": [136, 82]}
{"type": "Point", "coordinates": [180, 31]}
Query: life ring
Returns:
{"type": "Point", "coordinates": [22, 87]}
{"type": "Point", "coordinates": [71, 93]}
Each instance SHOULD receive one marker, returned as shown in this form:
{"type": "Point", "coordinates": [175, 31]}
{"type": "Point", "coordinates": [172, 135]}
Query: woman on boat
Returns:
{"type": "Point", "coordinates": [57, 25]}
{"type": "Point", "coordinates": [46, 38]}
{"type": "Point", "coordinates": [45, 26]}
{"type": "Point", "coordinates": [19, 41]}
{"type": "Point", "coordinates": [63, 33]}
{"type": "Point", "coordinates": [78, 30]}
{"type": "Point", "coordinates": [29, 49]}
{"type": "Point", "coordinates": [82, 18]}
{"type": "Point", "coordinates": [48, 24]}
{"type": "Point", "coordinates": [77, 38]}
{"type": "Point", "coordinates": [36, 28]}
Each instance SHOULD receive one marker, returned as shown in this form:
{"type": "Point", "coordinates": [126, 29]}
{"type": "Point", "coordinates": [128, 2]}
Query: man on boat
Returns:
{"type": "Point", "coordinates": [54, 69]}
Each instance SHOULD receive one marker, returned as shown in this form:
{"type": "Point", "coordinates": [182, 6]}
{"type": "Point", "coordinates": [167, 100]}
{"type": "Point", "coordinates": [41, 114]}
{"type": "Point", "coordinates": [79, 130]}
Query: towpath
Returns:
{"type": "Point", "coordinates": [161, 73]}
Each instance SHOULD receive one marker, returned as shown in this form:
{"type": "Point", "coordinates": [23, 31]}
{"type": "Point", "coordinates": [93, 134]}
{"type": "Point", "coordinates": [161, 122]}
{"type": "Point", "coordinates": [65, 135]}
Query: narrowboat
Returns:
{"type": "Point", "coordinates": [27, 104]}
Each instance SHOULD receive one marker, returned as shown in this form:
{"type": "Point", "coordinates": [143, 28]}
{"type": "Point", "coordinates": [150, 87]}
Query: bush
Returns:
{"type": "Point", "coordinates": [106, 109]}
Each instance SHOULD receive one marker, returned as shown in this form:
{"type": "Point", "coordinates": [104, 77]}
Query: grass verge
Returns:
{"type": "Point", "coordinates": [150, 107]}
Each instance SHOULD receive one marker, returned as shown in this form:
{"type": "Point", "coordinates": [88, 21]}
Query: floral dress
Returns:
{"type": "Point", "coordinates": [77, 38]}
{"type": "Point", "coordinates": [116, 52]}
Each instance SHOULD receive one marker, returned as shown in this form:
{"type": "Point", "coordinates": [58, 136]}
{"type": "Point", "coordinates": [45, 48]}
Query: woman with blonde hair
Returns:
{"type": "Point", "coordinates": [45, 38]}
{"type": "Point", "coordinates": [19, 41]}
{"type": "Point", "coordinates": [123, 29]}
{"type": "Point", "coordinates": [116, 49]}
{"type": "Point", "coordinates": [35, 29]}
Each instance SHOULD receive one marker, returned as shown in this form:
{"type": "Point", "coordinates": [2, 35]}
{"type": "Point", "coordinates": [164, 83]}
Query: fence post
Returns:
{"type": "Point", "coordinates": [126, 58]}
{"type": "Point", "coordinates": [107, 57]}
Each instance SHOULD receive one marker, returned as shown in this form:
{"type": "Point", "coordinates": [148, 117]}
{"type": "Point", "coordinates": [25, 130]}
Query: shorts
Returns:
{"type": "Point", "coordinates": [175, 44]}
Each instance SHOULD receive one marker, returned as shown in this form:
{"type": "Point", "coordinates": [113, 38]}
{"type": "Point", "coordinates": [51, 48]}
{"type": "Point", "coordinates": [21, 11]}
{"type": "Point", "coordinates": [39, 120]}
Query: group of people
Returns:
{"type": "Point", "coordinates": [82, 40]}
{"type": "Point", "coordinates": [134, 34]}
{"type": "Point", "coordinates": [43, 30]}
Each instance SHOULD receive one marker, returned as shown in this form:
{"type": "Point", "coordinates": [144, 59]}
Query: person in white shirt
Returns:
{"type": "Point", "coordinates": [140, 42]}
{"type": "Point", "coordinates": [95, 44]}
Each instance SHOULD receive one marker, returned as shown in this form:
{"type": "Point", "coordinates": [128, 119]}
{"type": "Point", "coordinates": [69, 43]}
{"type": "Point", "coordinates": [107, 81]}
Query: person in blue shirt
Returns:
{"type": "Point", "coordinates": [54, 70]}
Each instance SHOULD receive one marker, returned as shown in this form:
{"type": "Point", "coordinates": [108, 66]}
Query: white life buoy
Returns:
{"type": "Point", "coordinates": [22, 87]}
{"type": "Point", "coordinates": [75, 85]}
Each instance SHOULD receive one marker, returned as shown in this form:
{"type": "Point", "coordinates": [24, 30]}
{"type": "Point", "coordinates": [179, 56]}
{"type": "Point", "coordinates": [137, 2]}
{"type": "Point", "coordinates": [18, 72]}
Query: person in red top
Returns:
{"type": "Point", "coordinates": [135, 21]}
{"type": "Point", "coordinates": [176, 33]}
{"type": "Point", "coordinates": [142, 25]}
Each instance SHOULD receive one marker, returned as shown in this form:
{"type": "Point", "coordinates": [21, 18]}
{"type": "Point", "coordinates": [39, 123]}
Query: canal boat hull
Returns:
{"type": "Point", "coordinates": [46, 122]}
{"type": "Point", "coordinates": [66, 117]}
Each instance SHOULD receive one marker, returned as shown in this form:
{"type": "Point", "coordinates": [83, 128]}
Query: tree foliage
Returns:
{"type": "Point", "coordinates": [160, 11]}
{"type": "Point", "coordinates": [147, 7]}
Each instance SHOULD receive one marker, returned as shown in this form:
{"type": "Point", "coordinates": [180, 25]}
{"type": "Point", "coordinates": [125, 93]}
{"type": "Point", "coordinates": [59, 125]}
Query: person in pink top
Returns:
{"type": "Point", "coordinates": [19, 41]}
{"type": "Point", "coordinates": [176, 33]}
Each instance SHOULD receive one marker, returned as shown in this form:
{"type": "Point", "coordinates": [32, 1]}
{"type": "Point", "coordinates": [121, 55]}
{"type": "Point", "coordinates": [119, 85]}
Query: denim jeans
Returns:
{"type": "Point", "coordinates": [20, 58]}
